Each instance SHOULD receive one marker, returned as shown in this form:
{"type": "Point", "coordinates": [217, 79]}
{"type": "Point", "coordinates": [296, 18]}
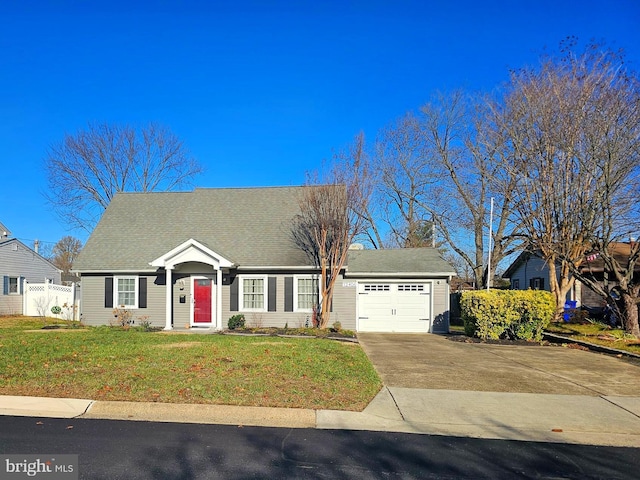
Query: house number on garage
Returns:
{"type": "Point", "coordinates": [349, 284]}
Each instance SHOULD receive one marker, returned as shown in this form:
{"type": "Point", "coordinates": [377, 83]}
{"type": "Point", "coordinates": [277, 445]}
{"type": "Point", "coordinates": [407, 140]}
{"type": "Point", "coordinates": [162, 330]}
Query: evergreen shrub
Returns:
{"type": "Point", "coordinates": [507, 314]}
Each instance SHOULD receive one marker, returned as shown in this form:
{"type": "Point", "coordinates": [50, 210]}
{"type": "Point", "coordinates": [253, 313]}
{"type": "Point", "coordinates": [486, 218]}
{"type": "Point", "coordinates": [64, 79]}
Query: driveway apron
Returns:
{"type": "Point", "coordinates": [434, 362]}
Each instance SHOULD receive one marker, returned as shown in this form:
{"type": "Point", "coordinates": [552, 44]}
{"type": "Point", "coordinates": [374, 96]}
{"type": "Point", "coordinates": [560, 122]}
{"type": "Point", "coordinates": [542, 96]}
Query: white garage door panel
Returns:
{"type": "Point", "coordinates": [394, 307]}
{"type": "Point", "coordinates": [374, 311]}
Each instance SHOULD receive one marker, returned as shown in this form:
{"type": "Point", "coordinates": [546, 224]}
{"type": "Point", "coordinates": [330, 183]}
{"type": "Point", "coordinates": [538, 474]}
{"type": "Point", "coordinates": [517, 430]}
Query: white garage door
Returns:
{"type": "Point", "coordinates": [394, 307]}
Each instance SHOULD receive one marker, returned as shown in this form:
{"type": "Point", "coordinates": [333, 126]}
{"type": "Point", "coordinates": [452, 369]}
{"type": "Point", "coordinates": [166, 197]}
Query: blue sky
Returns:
{"type": "Point", "coordinates": [259, 91]}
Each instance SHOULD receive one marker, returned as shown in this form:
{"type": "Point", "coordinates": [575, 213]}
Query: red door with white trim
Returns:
{"type": "Point", "coordinates": [202, 294]}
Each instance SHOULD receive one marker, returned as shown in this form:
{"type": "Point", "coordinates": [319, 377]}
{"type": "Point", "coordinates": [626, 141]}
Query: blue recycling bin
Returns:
{"type": "Point", "coordinates": [569, 307]}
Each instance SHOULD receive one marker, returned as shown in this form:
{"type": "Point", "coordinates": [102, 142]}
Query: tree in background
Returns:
{"type": "Point", "coordinates": [572, 129]}
{"type": "Point", "coordinates": [87, 169]}
{"type": "Point", "coordinates": [65, 252]}
{"type": "Point", "coordinates": [405, 175]}
{"type": "Point", "coordinates": [469, 163]}
{"type": "Point", "coordinates": [434, 172]}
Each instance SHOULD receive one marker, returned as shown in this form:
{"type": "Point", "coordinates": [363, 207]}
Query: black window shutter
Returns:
{"type": "Point", "coordinates": [108, 292]}
{"type": "Point", "coordinates": [6, 285]}
{"type": "Point", "coordinates": [288, 294]}
{"type": "Point", "coordinates": [271, 300]}
{"type": "Point", "coordinates": [542, 283]}
{"type": "Point", "coordinates": [142, 292]}
{"type": "Point", "coordinates": [233, 294]}
{"type": "Point", "coordinates": [531, 283]}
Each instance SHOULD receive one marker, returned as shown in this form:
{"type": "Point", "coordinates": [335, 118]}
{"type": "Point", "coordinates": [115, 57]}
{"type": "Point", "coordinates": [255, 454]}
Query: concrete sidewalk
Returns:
{"type": "Point", "coordinates": [577, 419]}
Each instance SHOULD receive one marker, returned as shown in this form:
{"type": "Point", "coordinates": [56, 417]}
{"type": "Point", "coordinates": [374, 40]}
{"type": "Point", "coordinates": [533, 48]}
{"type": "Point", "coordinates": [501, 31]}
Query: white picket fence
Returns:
{"type": "Point", "coordinates": [40, 298]}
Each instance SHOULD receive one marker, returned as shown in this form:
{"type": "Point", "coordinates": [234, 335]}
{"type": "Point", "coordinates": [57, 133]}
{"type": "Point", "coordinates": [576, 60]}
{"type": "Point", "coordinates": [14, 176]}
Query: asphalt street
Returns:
{"type": "Point", "coordinates": [111, 449]}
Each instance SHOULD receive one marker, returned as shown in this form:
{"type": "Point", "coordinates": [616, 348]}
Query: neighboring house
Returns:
{"type": "Point", "coordinates": [530, 271]}
{"type": "Point", "coordinates": [20, 264]}
{"type": "Point", "coordinates": [193, 259]}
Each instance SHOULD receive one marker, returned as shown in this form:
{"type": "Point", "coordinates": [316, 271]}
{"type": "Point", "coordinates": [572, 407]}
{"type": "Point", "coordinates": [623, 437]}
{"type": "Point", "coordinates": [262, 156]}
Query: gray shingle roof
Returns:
{"type": "Point", "coordinates": [248, 226]}
{"type": "Point", "coordinates": [398, 261]}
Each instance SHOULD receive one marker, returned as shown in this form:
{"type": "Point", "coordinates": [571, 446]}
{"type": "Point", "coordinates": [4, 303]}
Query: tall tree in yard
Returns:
{"type": "Point", "coordinates": [469, 161]}
{"type": "Point", "coordinates": [328, 223]}
{"type": "Point", "coordinates": [87, 169]}
{"type": "Point", "coordinates": [573, 128]}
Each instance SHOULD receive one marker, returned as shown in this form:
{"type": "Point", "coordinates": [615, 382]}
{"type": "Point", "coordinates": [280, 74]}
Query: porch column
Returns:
{"type": "Point", "coordinates": [219, 325]}
{"type": "Point", "coordinates": [169, 295]}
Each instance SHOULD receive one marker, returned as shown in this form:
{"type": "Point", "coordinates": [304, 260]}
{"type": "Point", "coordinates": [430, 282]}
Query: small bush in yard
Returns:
{"type": "Point", "coordinates": [121, 317]}
{"type": "Point", "coordinates": [511, 314]}
{"type": "Point", "coordinates": [236, 321]}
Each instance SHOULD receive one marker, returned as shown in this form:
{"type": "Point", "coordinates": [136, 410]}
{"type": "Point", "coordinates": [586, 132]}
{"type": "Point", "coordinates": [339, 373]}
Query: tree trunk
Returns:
{"type": "Point", "coordinates": [630, 314]}
{"type": "Point", "coordinates": [559, 289]}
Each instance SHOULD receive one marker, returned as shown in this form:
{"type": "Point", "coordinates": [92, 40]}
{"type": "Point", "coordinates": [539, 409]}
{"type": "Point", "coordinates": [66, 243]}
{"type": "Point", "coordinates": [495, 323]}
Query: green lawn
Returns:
{"type": "Point", "coordinates": [110, 364]}
{"type": "Point", "coordinates": [597, 333]}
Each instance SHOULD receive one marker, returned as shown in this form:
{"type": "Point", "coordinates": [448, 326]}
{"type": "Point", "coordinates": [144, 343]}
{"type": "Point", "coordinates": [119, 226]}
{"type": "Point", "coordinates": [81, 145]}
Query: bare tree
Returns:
{"type": "Point", "coordinates": [611, 270]}
{"type": "Point", "coordinates": [327, 225]}
{"type": "Point", "coordinates": [406, 174]}
{"type": "Point", "coordinates": [572, 126]}
{"type": "Point", "coordinates": [65, 252]}
{"type": "Point", "coordinates": [439, 168]}
{"type": "Point", "coordinates": [467, 152]}
{"type": "Point", "coordinates": [87, 169]}
{"type": "Point", "coordinates": [353, 166]}
{"type": "Point", "coordinates": [611, 138]}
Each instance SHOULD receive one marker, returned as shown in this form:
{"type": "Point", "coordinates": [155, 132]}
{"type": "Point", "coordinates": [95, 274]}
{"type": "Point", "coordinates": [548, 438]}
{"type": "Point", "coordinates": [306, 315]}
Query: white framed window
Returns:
{"type": "Point", "coordinates": [376, 287]}
{"type": "Point", "coordinates": [125, 292]}
{"type": "Point", "coordinates": [306, 293]}
{"type": "Point", "coordinates": [411, 287]}
{"type": "Point", "coordinates": [14, 285]}
{"type": "Point", "coordinates": [252, 293]}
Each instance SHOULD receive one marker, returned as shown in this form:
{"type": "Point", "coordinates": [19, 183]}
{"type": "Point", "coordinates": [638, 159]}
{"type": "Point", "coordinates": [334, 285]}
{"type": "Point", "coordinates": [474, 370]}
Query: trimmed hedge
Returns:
{"type": "Point", "coordinates": [510, 314]}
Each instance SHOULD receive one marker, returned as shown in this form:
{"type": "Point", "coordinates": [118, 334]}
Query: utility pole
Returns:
{"type": "Point", "coordinates": [490, 239]}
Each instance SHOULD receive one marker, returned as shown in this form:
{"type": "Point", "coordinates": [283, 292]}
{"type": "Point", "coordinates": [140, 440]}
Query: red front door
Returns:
{"type": "Point", "coordinates": [202, 300]}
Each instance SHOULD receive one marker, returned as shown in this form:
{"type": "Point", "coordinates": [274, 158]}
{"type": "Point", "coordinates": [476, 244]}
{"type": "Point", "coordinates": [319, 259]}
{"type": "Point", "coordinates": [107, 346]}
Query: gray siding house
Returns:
{"type": "Point", "coordinates": [193, 259]}
{"type": "Point", "coordinates": [528, 271]}
{"type": "Point", "coordinates": [20, 264]}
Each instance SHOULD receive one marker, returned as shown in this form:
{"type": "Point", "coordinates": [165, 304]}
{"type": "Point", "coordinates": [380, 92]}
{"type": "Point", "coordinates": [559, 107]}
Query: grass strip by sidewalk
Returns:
{"type": "Point", "coordinates": [598, 334]}
{"type": "Point", "coordinates": [104, 363]}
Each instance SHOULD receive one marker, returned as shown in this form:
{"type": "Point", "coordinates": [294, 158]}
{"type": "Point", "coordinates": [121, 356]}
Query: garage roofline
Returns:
{"type": "Point", "coordinates": [400, 275]}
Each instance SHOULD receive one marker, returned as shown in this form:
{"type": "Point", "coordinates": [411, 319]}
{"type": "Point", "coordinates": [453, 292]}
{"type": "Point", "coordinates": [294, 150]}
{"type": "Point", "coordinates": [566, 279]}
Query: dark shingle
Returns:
{"type": "Point", "coordinates": [248, 226]}
{"type": "Point", "coordinates": [399, 260]}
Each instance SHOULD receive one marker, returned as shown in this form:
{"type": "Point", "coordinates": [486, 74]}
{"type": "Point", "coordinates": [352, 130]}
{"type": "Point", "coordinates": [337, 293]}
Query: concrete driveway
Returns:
{"type": "Point", "coordinates": [434, 362]}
